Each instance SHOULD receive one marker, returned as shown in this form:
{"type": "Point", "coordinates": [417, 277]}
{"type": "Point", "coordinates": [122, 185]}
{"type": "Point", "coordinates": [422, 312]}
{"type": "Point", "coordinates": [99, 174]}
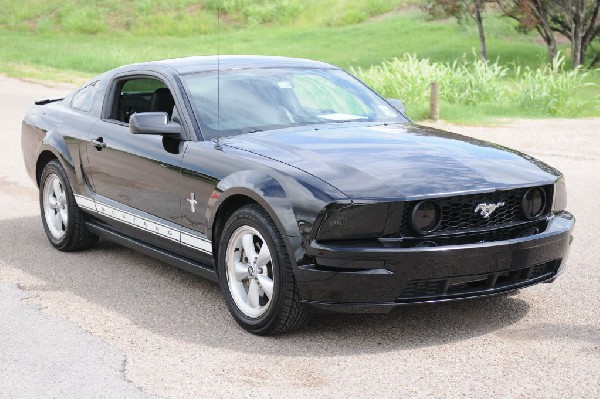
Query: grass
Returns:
{"type": "Point", "coordinates": [363, 45]}
{"type": "Point", "coordinates": [73, 40]}
{"type": "Point", "coordinates": [183, 17]}
{"type": "Point", "coordinates": [43, 74]}
{"type": "Point", "coordinates": [484, 86]}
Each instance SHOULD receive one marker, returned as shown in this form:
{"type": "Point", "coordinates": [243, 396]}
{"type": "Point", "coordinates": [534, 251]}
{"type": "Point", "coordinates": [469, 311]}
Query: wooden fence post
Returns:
{"type": "Point", "coordinates": [434, 102]}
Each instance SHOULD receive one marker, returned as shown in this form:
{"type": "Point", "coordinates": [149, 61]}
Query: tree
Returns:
{"type": "Point", "coordinates": [460, 9]}
{"type": "Point", "coordinates": [595, 60]}
{"type": "Point", "coordinates": [577, 20]}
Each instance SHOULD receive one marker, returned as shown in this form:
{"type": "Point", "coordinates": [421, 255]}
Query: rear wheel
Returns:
{"type": "Point", "coordinates": [256, 274]}
{"type": "Point", "coordinates": [62, 219]}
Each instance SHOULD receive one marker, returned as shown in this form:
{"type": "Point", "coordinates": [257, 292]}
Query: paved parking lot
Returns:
{"type": "Point", "coordinates": [111, 322]}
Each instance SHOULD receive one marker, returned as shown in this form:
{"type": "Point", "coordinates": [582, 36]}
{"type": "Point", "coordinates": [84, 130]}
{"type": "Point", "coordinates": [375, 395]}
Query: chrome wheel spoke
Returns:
{"type": "Point", "coordinates": [248, 245]}
{"type": "Point", "coordinates": [264, 256]}
{"type": "Point", "coordinates": [240, 270]}
{"type": "Point", "coordinates": [266, 284]}
{"type": "Point", "coordinates": [56, 186]}
{"type": "Point", "coordinates": [253, 294]}
{"type": "Point", "coordinates": [57, 220]}
{"type": "Point", "coordinates": [64, 215]}
{"type": "Point", "coordinates": [52, 202]}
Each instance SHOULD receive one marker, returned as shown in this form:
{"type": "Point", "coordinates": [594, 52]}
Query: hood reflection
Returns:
{"type": "Point", "coordinates": [397, 161]}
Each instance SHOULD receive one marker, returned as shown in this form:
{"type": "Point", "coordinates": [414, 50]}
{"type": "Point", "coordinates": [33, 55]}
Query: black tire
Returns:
{"type": "Point", "coordinates": [76, 235]}
{"type": "Point", "coordinates": [286, 312]}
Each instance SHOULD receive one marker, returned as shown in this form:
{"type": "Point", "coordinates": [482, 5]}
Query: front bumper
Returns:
{"type": "Point", "coordinates": [360, 279]}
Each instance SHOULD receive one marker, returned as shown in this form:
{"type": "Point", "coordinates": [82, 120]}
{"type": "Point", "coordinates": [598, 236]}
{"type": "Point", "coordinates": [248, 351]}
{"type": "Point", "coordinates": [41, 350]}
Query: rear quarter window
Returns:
{"type": "Point", "coordinates": [83, 100]}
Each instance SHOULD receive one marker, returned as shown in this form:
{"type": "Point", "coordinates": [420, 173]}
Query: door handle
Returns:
{"type": "Point", "coordinates": [98, 143]}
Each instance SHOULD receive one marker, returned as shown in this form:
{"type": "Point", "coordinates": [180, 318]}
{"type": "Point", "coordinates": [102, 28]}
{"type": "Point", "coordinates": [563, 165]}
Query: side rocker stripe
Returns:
{"type": "Point", "coordinates": [150, 226]}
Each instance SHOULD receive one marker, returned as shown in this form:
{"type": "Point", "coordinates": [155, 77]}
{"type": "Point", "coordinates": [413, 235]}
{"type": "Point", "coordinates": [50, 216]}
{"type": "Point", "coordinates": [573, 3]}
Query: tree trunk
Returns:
{"type": "Point", "coordinates": [577, 33]}
{"type": "Point", "coordinates": [479, 20]}
{"type": "Point", "coordinates": [576, 56]}
{"type": "Point", "coordinates": [544, 28]}
{"type": "Point", "coordinates": [550, 42]}
{"type": "Point", "coordinates": [591, 31]}
{"type": "Point", "coordinates": [552, 51]}
{"type": "Point", "coordinates": [595, 61]}
{"type": "Point", "coordinates": [577, 20]}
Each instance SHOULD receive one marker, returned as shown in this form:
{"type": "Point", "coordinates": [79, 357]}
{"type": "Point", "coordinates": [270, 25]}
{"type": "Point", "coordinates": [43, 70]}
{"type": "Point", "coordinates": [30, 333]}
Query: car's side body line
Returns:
{"type": "Point", "coordinates": [154, 225]}
{"type": "Point", "coordinates": [167, 257]}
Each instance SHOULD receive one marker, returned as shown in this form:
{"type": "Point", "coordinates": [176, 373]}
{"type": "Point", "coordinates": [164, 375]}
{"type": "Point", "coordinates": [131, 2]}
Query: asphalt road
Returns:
{"type": "Point", "coordinates": [111, 322]}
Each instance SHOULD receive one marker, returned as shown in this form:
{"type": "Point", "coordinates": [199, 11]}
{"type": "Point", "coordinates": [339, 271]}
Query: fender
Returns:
{"type": "Point", "coordinates": [56, 144]}
{"type": "Point", "coordinates": [261, 188]}
{"type": "Point", "coordinates": [275, 192]}
{"type": "Point", "coordinates": [38, 137]}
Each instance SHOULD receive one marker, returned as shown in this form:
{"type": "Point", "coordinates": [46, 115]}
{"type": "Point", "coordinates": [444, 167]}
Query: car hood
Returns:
{"type": "Point", "coordinates": [397, 161]}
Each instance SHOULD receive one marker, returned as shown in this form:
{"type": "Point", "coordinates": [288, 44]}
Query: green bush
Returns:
{"type": "Point", "coordinates": [547, 90]}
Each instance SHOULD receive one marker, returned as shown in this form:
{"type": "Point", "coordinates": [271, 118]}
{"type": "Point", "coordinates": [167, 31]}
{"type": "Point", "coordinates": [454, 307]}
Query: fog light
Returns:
{"type": "Point", "coordinates": [534, 202]}
{"type": "Point", "coordinates": [426, 217]}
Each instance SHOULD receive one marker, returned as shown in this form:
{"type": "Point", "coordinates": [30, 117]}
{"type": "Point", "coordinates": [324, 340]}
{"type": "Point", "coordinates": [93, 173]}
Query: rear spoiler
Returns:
{"type": "Point", "coordinates": [45, 101]}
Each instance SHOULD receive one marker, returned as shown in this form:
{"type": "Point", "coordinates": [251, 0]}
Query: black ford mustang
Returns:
{"type": "Point", "coordinates": [293, 185]}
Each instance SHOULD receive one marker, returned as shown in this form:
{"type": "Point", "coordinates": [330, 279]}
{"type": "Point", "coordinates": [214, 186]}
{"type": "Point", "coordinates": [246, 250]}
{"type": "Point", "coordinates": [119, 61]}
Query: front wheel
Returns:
{"type": "Point", "coordinates": [256, 274]}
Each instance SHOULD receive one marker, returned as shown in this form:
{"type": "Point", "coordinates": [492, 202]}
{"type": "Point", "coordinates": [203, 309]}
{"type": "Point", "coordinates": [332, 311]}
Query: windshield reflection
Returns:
{"type": "Point", "coordinates": [242, 101]}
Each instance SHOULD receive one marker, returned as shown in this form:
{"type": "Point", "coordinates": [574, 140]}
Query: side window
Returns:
{"type": "Point", "coordinates": [84, 98]}
{"type": "Point", "coordinates": [141, 95]}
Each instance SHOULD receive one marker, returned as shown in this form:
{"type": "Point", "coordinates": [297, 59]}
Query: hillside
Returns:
{"type": "Point", "coordinates": [73, 40]}
{"type": "Point", "coordinates": [183, 17]}
{"type": "Point", "coordinates": [358, 44]}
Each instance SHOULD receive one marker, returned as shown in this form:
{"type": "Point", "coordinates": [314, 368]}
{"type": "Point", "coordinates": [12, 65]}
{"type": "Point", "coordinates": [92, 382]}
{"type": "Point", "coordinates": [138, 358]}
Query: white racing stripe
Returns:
{"type": "Point", "coordinates": [159, 229]}
{"type": "Point", "coordinates": [196, 242]}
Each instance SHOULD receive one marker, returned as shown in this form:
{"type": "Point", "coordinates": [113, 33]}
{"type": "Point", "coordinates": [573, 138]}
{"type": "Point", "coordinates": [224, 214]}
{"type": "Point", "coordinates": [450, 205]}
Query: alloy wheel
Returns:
{"type": "Point", "coordinates": [56, 210]}
{"type": "Point", "coordinates": [249, 271]}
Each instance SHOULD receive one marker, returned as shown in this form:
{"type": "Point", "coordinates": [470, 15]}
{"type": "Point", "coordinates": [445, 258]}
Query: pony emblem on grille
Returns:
{"type": "Point", "coordinates": [486, 210]}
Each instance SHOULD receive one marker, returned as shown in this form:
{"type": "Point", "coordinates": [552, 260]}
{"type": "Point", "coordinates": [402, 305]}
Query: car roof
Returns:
{"type": "Point", "coordinates": [225, 62]}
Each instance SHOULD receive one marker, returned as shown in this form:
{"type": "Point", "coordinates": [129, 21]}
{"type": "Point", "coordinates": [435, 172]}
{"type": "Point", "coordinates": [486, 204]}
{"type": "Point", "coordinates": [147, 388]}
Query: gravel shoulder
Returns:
{"type": "Point", "coordinates": [111, 317]}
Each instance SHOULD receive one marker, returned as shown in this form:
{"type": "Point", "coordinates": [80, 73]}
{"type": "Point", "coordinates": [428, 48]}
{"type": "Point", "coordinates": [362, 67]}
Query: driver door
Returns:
{"type": "Point", "coordinates": [135, 178]}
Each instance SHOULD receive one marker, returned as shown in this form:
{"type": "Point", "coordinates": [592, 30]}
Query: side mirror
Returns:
{"type": "Point", "coordinates": [153, 123]}
{"type": "Point", "coordinates": [398, 104]}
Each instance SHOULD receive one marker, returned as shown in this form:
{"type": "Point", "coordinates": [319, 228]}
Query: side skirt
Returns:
{"type": "Point", "coordinates": [167, 257]}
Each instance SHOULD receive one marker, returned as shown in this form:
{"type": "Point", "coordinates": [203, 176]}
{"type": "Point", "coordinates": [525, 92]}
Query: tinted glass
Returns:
{"type": "Point", "coordinates": [136, 96]}
{"type": "Point", "coordinates": [84, 99]}
{"type": "Point", "coordinates": [141, 86]}
{"type": "Point", "coordinates": [260, 99]}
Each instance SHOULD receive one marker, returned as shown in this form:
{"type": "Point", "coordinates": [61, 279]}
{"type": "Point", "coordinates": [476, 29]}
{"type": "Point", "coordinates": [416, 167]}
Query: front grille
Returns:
{"type": "Point", "coordinates": [423, 288]}
{"type": "Point", "coordinates": [480, 284]}
{"type": "Point", "coordinates": [473, 237]}
{"type": "Point", "coordinates": [458, 212]}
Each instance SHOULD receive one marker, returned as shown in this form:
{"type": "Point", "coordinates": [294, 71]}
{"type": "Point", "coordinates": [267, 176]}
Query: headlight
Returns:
{"type": "Point", "coordinates": [559, 202]}
{"type": "Point", "coordinates": [351, 222]}
{"type": "Point", "coordinates": [534, 202]}
{"type": "Point", "coordinates": [426, 217]}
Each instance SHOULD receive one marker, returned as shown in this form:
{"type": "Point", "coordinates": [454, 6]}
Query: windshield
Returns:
{"type": "Point", "coordinates": [254, 100]}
